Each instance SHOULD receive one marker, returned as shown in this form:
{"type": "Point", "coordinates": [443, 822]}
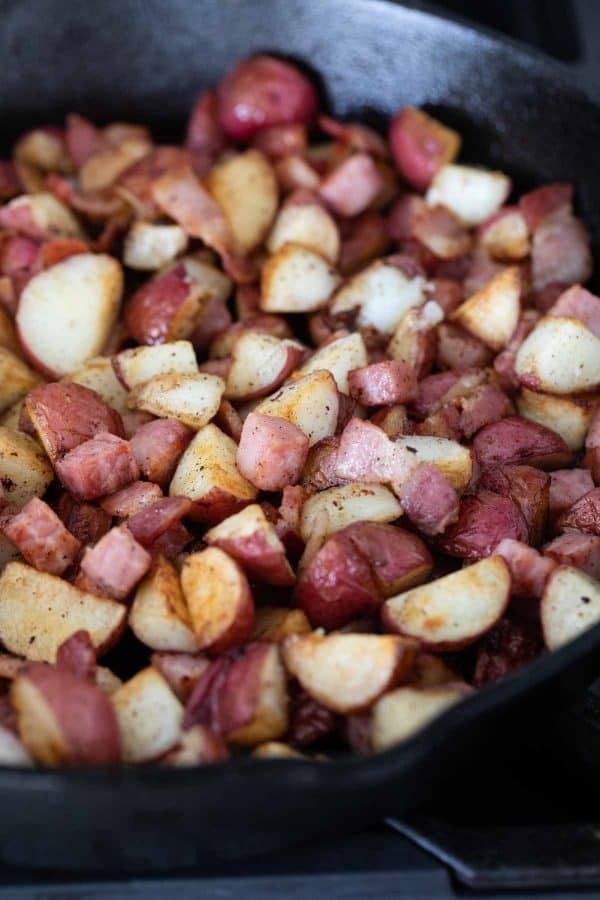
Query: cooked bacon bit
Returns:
{"type": "Point", "coordinates": [560, 251]}
{"type": "Point", "coordinates": [441, 232]}
{"type": "Point", "coordinates": [132, 499]}
{"type": "Point", "coordinates": [486, 404]}
{"type": "Point", "coordinates": [78, 655]}
{"type": "Point", "coordinates": [504, 363]}
{"type": "Point", "coordinates": [214, 319]}
{"type": "Point", "coordinates": [544, 201]}
{"type": "Point", "coordinates": [353, 186]}
{"type": "Point", "coordinates": [157, 447]}
{"type": "Point", "coordinates": [319, 471]}
{"type": "Point", "coordinates": [404, 215]}
{"type": "Point", "coordinates": [100, 466]}
{"type": "Point", "coordinates": [567, 486]}
{"type": "Point", "coordinates": [584, 515]}
{"type": "Point", "coordinates": [484, 520]}
{"type": "Point", "coordinates": [82, 139]}
{"type": "Point", "coordinates": [116, 564]}
{"type": "Point", "coordinates": [383, 384]}
{"type": "Point", "coordinates": [580, 550]}
{"type": "Point", "coordinates": [529, 570]}
{"type": "Point", "coordinates": [508, 646]}
{"type": "Point", "coordinates": [457, 349]}
{"type": "Point", "coordinates": [433, 390]}
{"type": "Point", "coordinates": [135, 184]}
{"type": "Point", "coordinates": [367, 454]}
{"type": "Point", "coordinates": [366, 238]}
{"type": "Point", "coordinates": [577, 303]}
{"type": "Point", "coordinates": [204, 132]}
{"type": "Point", "coordinates": [429, 501]}
{"type": "Point", "coordinates": [171, 542]}
{"type": "Point", "coordinates": [358, 136]}
{"type": "Point", "coordinates": [443, 423]}
{"type": "Point", "coordinates": [133, 421]}
{"type": "Point", "coordinates": [66, 414]}
{"type": "Point", "coordinates": [153, 520]}
{"type": "Point", "coordinates": [86, 521]}
{"type": "Point", "coordinates": [41, 537]}
{"type": "Point", "coordinates": [54, 251]}
{"type": "Point", "coordinates": [281, 140]}
{"type": "Point", "coordinates": [272, 452]}
{"type": "Point", "coordinates": [310, 722]}
{"type": "Point", "coordinates": [10, 183]}
{"type": "Point", "coordinates": [182, 671]}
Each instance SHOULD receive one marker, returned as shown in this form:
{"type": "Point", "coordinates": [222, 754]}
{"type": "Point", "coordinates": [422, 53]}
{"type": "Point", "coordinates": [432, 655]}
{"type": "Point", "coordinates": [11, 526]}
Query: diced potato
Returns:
{"type": "Point", "coordinates": [149, 716]}
{"type": "Point", "coordinates": [339, 357]}
{"type": "Point", "coordinates": [191, 399]}
{"type": "Point", "coordinates": [309, 225]}
{"type": "Point", "coordinates": [25, 471]}
{"type": "Point", "coordinates": [159, 617]}
{"type": "Point", "coordinates": [560, 356]}
{"type": "Point", "coordinates": [567, 416]}
{"type": "Point", "coordinates": [349, 503]}
{"type": "Point", "coordinates": [296, 280]}
{"type": "Point", "coordinates": [570, 605]}
{"type": "Point", "coordinates": [149, 246]}
{"type": "Point", "coordinates": [138, 365]}
{"type": "Point", "coordinates": [493, 312]}
{"type": "Point", "coordinates": [311, 404]}
{"type": "Point", "coordinates": [451, 458]}
{"type": "Point", "coordinates": [16, 379]}
{"type": "Point", "coordinates": [473, 195]}
{"type": "Point", "coordinates": [402, 713]}
{"type": "Point", "coordinates": [383, 295]}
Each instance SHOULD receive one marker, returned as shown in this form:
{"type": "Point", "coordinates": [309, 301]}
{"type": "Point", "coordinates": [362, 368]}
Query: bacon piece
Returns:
{"type": "Point", "coordinates": [529, 490]}
{"type": "Point", "coordinates": [100, 466]}
{"type": "Point", "coordinates": [481, 269]}
{"type": "Point", "coordinates": [82, 139]}
{"type": "Point", "coordinates": [508, 646]}
{"type": "Point", "coordinates": [560, 251]}
{"type": "Point", "coordinates": [486, 404]}
{"type": "Point", "coordinates": [157, 447]}
{"type": "Point", "coordinates": [261, 92]}
{"type": "Point", "coordinates": [383, 384]}
{"type": "Point", "coordinates": [567, 486]}
{"type": "Point", "coordinates": [135, 184]}
{"type": "Point", "coordinates": [54, 251]}
{"type": "Point", "coordinates": [151, 522]}
{"type": "Point", "coordinates": [86, 521]}
{"type": "Point", "coordinates": [404, 215]}
{"type": "Point", "coordinates": [442, 233]}
{"type": "Point", "coordinates": [517, 440]}
{"type": "Point", "coordinates": [215, 318]}
{"type": "Point", "coordinates": [115, 564]}
{"type": "Point", "coordinates": [429, 501]}
{"type": "Point", "coordinates": [78, 655]}
{"type": "Point", "coordinates": [579, 550]}
{"type": "Point", "coordinates": [65, 414]}
{"type": "Point", "coordinates": [457, 349]}
{"type": "Point", "coordinates": [132, 499]}
{"type": "Point", "coordinates": [204, 132]}
{"type": "Point", "coordinates": [358, 136]}
{"type": "Point", "coordinates": [310, 721]}
{"type": "Point", "coordinates": [352, 186]}
{"type": "Point", "coordinates": [584, 515]}
{"type": "Point", "coordinates": [366, 453]}
{"type": "Point", "coordinates": [281, 140]}
{"type": "Point", "coordinates": [181, 670]}
{"type": "Point", "coordinates": [529, 570]}
{"type": "Point", "coordinates": [434, 388]}
{"type": "Point", "coordinates": [420, 146]}
{"type": "Point", "coordinates": [171, 542]}
{"type": "Point", "coordinates": [484, 520]}
{"type": "Point", "coordinates": [577, 303]}
{"type": "Point", "coordinates": [592, 439]}
{"type": "Point", "coordinates": [504, 363]}
{"type": "Point", "coordinates": [10, 183]}
{"type": "Point", "coordinates": [365, 238]}
{"type": "Point", "coordinates": [18, 257]}
{"type": "Point", "coordinates": [544, 201]}
{"type": "Point", "coordinates": [41, 537]}
{"type": "Point", "coordinates": [443, 423]}
{"type": "Point", "coordinates": [272, 452]}
{"type": "Point", "coordinates": [133, 421]}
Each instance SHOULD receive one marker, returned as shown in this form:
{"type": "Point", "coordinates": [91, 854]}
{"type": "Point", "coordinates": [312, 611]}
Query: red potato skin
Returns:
{"type": "Point", "coordinates": [181, 670]}
{"type": "Point", "coordinates": [583, 515]}
{"type": "Point", "coordinates": [383, 384]}
{"type": "Point", "coordinates": [574, 549]}
{"type": "Point", "coordinates": [258, 559]}
{"type": "Point", "coordinates": [66, 414]}
{"type": "Point", "coordinates": [366, 238]}
{"type": "Point", "coordinates": [508, 646]}
{"type": "Point", "coordinates": [420, 146]}
{"type": "Point", "coordinates": [204, 133]}
{"type": "Point", "coordinates": [262, 92]}
{"type": "Point", "coordinates": [86, 521]}
{"type": "Point", "coordinates": [517, 440]}
{"type": "Point", "coordinates": [78, 655]}
{"type": "Point", "coordinates": [272, 452]}
{"type": "Point", "coordinates": [10, 184]}
{"type": "Point", "coordinates": [457, 349]}
{"type": "Point", "coordinates": [310, 721]}
{"type": "Point", "coordinates": [567, 486]}
{"type": "Point", "coordinates": [434, 388]}
{"type": "Point", "coordinates": [216, 505]}
{"type": "Point", "coordinates": [281, 140]}
{"type": "Point", "coordinates": [137, 180]}
{"type": "Point", "coordinates": [484, 520]}
{"type": "Point", "coordinates": [228, 419]}
{"type": "Point", "coordinates": [319, 472]}
{"type": "Point", "coordinates": [154, 520]}
{"type": "Point", "coordinates": [485, 405]}
{"type": "Point", "coordinates": [155, 313]}
{"type": "Point", "coordinates": [84, 712]}
{"type": "Point", "coordinates": [529, 490]}
{"type": "Point", "coordinates": [82, 139]}
{"type": "Point", "coordinates": [131, 499]}
{"type": "Point", "coordinates": [429, 501]}
{"type": "Point", "coordinates": [542, 202]}
{"type": "Point", "coordinates": [444, 423]}
{"type": "Point", "coordinates": [157, 447]}
{"type": "Point", "coordinates": [171, 542]}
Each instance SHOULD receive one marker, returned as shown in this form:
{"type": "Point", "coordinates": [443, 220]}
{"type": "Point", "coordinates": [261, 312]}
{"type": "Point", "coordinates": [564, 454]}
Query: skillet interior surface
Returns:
{"type": "Point", "coordinates": [146, 61]}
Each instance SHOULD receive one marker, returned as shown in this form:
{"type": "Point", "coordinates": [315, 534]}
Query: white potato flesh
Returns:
{"type": "Point", "coordinates": [149, 716]}
{"type": "Point", "coordinates": [568, 417]}
{"type": "Point", "coordinates": [493, 312]}
{"type": "Point", "coordinates": [49, 214]}
{"type": "Point", "coordinates": [209, 462]}
{"type": "Point", "coordinates": [339, 357]}
{"type": "Point", "coordinates": [103, 168]}
{"type": "Point", "coordinates": [383, 295]}
{"type": "Point", "coordinates": [39, 611]}
{"type": "Point", "coordinates": [16, 379]}
{"type": "Point", "coordinates": [452, 459]}
{"type": "Point", "coordinates": [148, 246]}
{"type": "Point", "coordinates": [453, 611]}
{"type": "Point", "coordinates": [570, 605]}
{"type": "Point", "coordinates": [159, 616]}
{"type": "Point", "coordinates": [473, 195]}
{"type": "Point", "coordinates": [25, 470]}
{"type": "Point", "coordinates": [138, 365]}
{"type": "Point", "coordinates": [257, 363]}
{"type": "Point", "coordinates": [12, 751]}
{"type": "Point", "coordinates": [311, 403]}
{"type": "Point", "coordinates": [98, 374]}
{"type": "Point", "coordinates": [66, 313]}
{"type": "Point", "coordinates": [349, 503]}
{"type": "Point", "coordinates": [216, 285]}
{"type": "Point", "coordinates": [560, 356]}
{"type": "Point", "coordinates": [192, 399]}
{"type": "Point", "coordinates": [407, 710]}
{"type": "Point", "coordinates": [270, 719]}
{"type": "Point", "coordinates": [309, 225]}
{"type": "Point", "coordinates": [296, 280]}
{"type": "Point", "coordinates": [245, 187]}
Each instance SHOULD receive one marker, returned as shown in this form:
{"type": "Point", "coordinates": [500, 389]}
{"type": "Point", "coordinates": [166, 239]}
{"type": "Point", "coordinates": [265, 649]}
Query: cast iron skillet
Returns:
{"type": "Point", "coordinates": [146, 61]}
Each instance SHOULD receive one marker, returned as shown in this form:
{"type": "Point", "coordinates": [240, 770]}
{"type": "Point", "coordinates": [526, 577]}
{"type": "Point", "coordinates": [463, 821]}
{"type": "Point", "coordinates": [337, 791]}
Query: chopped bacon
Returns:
{"type": "Point", "coordinates": [157, 447]}
{"type": "Point", "coordinates": [567, 486]}
{"type": "Point", "coordinates": [592, 439]}
{"type": "Point", "coordinates": [383, 383]}
{"type": "Point", "coordinates": [10, 183]}
{"type": "Point", "coordinates": [135, 184]}
{"type": "Point", "coordinates": [42, 539]}
{"type": "Point", "coordinates": [352, 186]}
{"type": "Point", "coordinates": [65, 414]}
{"type": "Point", "coordinates": [484, 405]}
{"type": "Point", "coordinates": [228, 419]}
{"type": "Point", "coordinates": [366, 239]}
{"type": "Point", "coordinates": [281, 140]}
{"type": "Point", "coordinates": [319, 471]}
{"type": "Point", "coordinates": [78, 655]}
{"type": "Point", "coordinates": [504, 363]}
{"type": "Point", "coordinates": [133, 421]}
{"type": "Point", "coordinates": [181, 670]}
{"type": "Point", "coordinates": [480, 271]}
{"type": "Point", "coordinates": [153, 520]}
{"type": "Point", "coordinates": [86, 521]}
{"type": "Point", "coordinates": [18, 256]}
{"type": "Point", "coordinates": [82, 139]}
{"type": "Point", "coordinates": [443, 423]}
{"type": "Point", "coordinates": [544, 201]}
{"type": "Point", "coordinates": [434, 388]}
{"type": "Point", "coordinates": [442, 233]}
{"type": "Point", "coordinates": [457, 349]}
{"type": "Point", "coordinates": [404, 215]}
{"type": "Point", "coordinates": [132, 499]}
{"type": "Point", "coordinates": [204, 132]}
{"type": "Point", "coordinates": [171, 542]}
{"type": "Point", "coordinates": [579, 550]}
{"type": "Point", "coordinates": [583, 515]}
{"type": "Point", "coordinates": [429, 501]}
{"type": "Point", "coordinates": [505, 649]}
{"type": "Point", "coordinates": [272, 452]}
{"type": "Point", "coordinates": [358, 136]}
{"type": "Point", "coordinates": [484, 520]}
{"type": "Point", "coordinates": [116, 564]}
{"type": "Point", "coordinates": [529, 570]}
{"type": "Point", "coordinates": [366, 453]}
{"type": "Point", "coordinates": [544, 299]}
{"type": "Point", "coordinates": [54, 251]}
{"type": "Point", "coordinates": [100, 466]}
{"type": "Point", "coordinates": [560, 251]}
{"type": "Point", "coordinates": [577, 303]}
{"type": "Point", "coordinates": [214, 319]}
{"type": "Point", "coordinates": [181, 196]}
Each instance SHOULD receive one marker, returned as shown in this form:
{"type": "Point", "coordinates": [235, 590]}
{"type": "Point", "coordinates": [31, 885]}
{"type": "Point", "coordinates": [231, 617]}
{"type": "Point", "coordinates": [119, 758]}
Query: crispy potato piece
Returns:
{"type": "Point", "coordinates": [349, 503]}
{"type": "Point", "coordinates": [451, 458]}
{"type": "Point", "coordinates": [473, 195]}
{"type": "Point", "coordinates": [24, 468]}
{"type": "Point", "coordinates": [567, 416]}
{"type": "Point", "coordinates": [492, 313]}
{"type": "Point", "coordinates": [159, 615]}
{"type": "Point", "coordinates": [540, 363]}
{"type": "Point", "coordinates": [404, 712]}
{"type": "Point", "coordinates": [149, 716]}
{"type": "Point", "coordinates": [191, 399]}
{"type": "Point", "coordinates": [16, 378]}
{"type": "Point", "coordinates": [308, 224]}
{"type": "Point", "coordinates": [138, 365]}
{"type": "Point", "coordinates": [311, 404]}
{"type": "Point", "coordinates": [296, 280]}
{"type": "Point", "coordinates": [383, 294]}
{"type": "Point", "coordinates": [339, 358]}
{"type": "Point", "coordinates": [570, 605]}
